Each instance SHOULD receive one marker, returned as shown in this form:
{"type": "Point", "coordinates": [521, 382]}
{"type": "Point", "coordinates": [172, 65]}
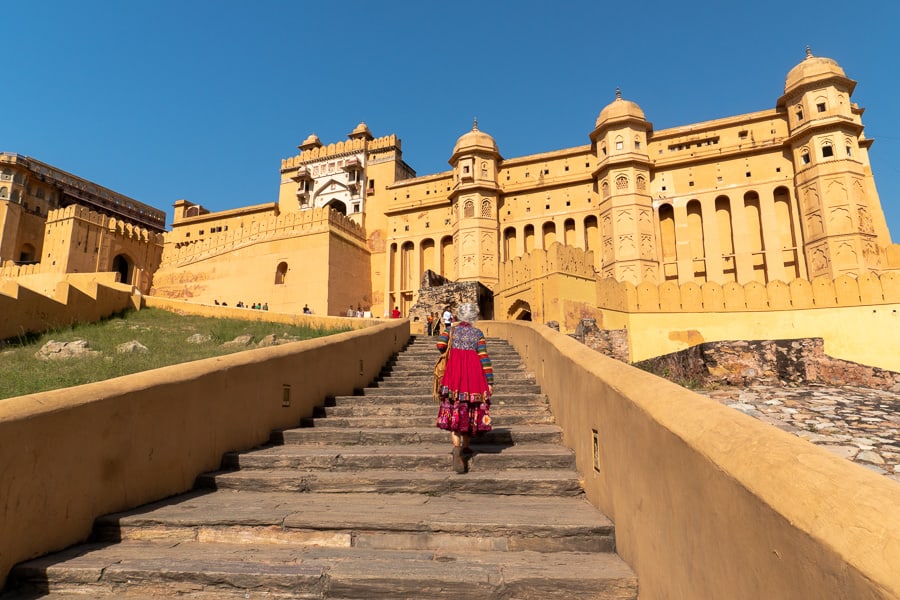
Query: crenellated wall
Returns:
{"type": "Point", "coordinates": [341, 147]}
{"type": "Point", "coordinates": [179, 252]}
{"type": "Point", "coordinates": [316, 258]}
{"type": "Point", "coordinates": [821, 292]}
{"type": "Point", "coordinates": [556, 284]}
{"type": "Point", "coordinates": [79, 240]}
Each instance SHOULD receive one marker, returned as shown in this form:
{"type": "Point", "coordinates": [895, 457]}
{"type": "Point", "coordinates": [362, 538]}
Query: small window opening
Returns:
{"type": "Point", "coordinates": [827, 151]}
{"type": "Point", "coordinates": [820, 107]}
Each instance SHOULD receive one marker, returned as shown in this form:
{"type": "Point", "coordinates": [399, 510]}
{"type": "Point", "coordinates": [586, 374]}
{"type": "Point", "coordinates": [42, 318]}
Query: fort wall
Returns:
{"type": "Point", "coordinates": [122, 443]}
{"type": "Point", "coordinates": [38, 302]}
{"type": "Point", "coordinates": [681, 476]}
{"type": "Point", "coordinates": [317, 258]}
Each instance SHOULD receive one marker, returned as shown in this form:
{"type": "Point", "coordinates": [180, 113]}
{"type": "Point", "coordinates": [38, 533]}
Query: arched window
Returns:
{"type": "Point", "coordinates": [281, 273]}
{"type": "Point", "coordinates": [620, 143]}
{"type": "Point", "coordinates": [604, 187]}
{"type": "Point", "coordinates": [621, 183]}
{"type": "Point", "coordinates": [849, 145]}
{"type": "Point", "coordinates": [827, 149]}
{"type": "Point", "coordinates": [549, 234]}
{"type": "Point", "coordinates": [804, 156]}
{"type": "Point", "coordinates": [469, 209]}
{"type": "Point", "coordinates": [637, 142]}
{"type": "Point", "coordinates": [486, 211]}
{"type": "Point", "coordinates": [641, 182]}
{"type": "Point", "coordinates": [509, 243]}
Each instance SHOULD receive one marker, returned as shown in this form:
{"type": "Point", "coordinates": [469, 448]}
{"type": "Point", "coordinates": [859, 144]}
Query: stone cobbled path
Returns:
{"type": "Point", "coordinates": [859, 424]}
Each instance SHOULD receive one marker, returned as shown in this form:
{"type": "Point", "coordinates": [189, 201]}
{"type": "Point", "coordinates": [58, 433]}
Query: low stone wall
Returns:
{"type": "Point", "coordinates": [799, 361]}
{"type": "Point", "coordinates": [710, 503]}
{"type": "Point", "coordinates": [248, 314]}
{"type": "Point", "coordinates": [68, 456]}
{"type": "Point", "coordinates": [58, 300]}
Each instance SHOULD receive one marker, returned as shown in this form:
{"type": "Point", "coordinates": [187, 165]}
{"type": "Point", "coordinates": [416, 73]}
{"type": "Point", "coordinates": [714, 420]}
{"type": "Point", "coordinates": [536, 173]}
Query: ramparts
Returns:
{"type": "Point", "coordinates": [540, 262]}
{"type": "Point", "coordinates": [339, 148]}
{"type": "Point", "coordinates": [271, 228]}
{"type": "Point", "coordinates": [822, 292]}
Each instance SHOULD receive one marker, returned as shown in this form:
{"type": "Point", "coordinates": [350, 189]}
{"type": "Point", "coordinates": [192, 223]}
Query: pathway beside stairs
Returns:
{"type": "Point", "coordinates": [361, 502]}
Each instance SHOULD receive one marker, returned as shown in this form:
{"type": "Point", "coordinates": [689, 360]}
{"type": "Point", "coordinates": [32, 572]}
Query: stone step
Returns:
{"type": "Point", "coordinates": [506, 436]}
{"type": "Point", "coordinates": [404, 458]}
{"type": "Point", "coordinates": [410, 409]}
{"type": "Point", "coordinates": [380, 422]}
{"type": "Point", "coordinates": [417, 390]}
{"type": "Point", "coordinates": [505, 385]}
{"type": "Point", "coordinates": [538, 482]}
{"type": "Point", "coordinates": [388, 396]}
{"type": "Point", "coordinates": [289, 571]}
{"type": "Point", "coordinates": [413, 522]}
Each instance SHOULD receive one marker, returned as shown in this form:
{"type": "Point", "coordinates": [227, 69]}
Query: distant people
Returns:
{"type": "Point", "coordinates": [359, 311]}
{"type": "Point", "coordinates": [430, 320]}
{"type": "Point", "coordinates": [224, 304]}
{"type": "Point", "coordinates": [265, 306]}
{"type": "Point", "coordinates": [240, 304]}
{"type": "Point", "coordinates": [306, 310]}
{"type": "Point", "coordinates": [216, 302]}
{"type": "Point", "coordinates": [395, 314]}
{"type": "Point", "coordinates": [447, 319]}
{"type": "Point", "coordinates": [351, 312]}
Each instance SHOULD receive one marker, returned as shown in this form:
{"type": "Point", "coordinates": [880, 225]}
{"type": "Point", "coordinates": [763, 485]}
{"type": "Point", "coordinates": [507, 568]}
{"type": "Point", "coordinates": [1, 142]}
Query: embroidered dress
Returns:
{"type": "Point", "coordinates": [464, 394]}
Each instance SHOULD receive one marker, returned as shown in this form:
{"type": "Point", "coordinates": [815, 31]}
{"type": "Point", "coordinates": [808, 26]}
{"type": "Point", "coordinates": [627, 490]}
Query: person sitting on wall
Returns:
{"type": "Point", "coordinates": [395, 314]}
{"type": "Point", "coordinates": [351, 312]}
{"type": "Point", "coordinates": [265, 306]}
{"type": "Point", "coordinates": [359, 311]}
{"type": "Point", "coordinates": [306, 310]}
{"type": "Point", "coordinates": [216, 302]}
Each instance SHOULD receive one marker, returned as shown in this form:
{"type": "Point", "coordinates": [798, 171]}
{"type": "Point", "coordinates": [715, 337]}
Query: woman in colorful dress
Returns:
{"type": "Point", "coordinates": [467, 385]}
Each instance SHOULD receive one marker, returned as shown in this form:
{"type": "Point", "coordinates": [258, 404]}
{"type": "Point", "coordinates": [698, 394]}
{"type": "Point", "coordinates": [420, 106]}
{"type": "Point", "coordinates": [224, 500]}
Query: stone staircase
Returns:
{"type": "Point", "coordinates": [360, 501]}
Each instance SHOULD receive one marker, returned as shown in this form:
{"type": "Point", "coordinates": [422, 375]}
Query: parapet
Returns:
{"type": "Point", "coordinates": [821, 292]}
{"type": "Point", "coordinates": [340, 148]}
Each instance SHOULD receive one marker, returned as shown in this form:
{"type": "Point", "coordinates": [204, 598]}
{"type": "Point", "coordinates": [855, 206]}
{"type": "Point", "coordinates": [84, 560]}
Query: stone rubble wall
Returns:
{"type": "Point", "coordinates": [438, 293]}
{"type": "Point", "coordinates": [792, 362]}
{"type": "Point", "coordinates": [611, 342]}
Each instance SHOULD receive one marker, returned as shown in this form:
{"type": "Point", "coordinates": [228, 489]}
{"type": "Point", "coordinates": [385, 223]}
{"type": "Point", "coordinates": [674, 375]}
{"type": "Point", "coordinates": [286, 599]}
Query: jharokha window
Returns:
{"type": "Point", "coordinates": [621, 183]}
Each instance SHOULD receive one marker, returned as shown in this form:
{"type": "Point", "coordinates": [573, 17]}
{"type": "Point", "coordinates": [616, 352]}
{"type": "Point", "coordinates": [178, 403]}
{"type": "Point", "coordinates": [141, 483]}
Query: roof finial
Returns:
{"type": "Point", "coordinates": [475, 124]}
{"type": "Point", "coordinates": [808, 51]}
{"type": "Point", "coordinates": [618, 93]}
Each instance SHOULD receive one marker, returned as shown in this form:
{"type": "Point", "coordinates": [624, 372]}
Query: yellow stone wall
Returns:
{"type": "Point", "coordinates": [316, 258]}
{"type": "Point", "coordinates": [710, 503]}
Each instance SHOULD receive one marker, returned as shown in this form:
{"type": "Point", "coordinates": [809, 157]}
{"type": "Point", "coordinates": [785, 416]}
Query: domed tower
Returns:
{"type": "Point", "coordinates": [474, 199]}
{"type": "Point", "coordinates": [844, 229]}
{"type": "Point", "coordinates": [622, 177]}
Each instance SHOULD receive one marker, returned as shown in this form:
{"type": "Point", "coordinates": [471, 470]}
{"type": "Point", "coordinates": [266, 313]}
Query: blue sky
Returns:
{"type": "Point", "coordinates": [198, 99]}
